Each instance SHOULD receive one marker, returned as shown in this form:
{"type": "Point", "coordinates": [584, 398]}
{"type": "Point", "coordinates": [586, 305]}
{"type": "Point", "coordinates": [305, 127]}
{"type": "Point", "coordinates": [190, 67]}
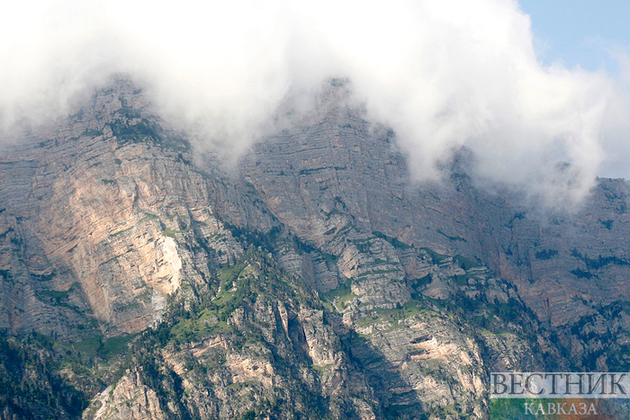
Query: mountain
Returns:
{"type": "Point", "coordinates": [142, 279]}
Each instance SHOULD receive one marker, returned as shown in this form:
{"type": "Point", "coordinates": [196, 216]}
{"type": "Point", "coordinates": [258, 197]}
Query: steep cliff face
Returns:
{"type": "Point", "coordinates": [319, 281]}
{"type": "Point", "coordinates": [258, 348]}
{"type": "Point", "coordinates": [335, 170]}
{"type": "Point", "coordinates": [106, 223]}
{"type": "Point", "coordinates": [335, 177]}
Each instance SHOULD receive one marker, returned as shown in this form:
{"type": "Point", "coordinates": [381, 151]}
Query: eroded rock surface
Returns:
{"type": "Point", "coordinates": [315, 281]}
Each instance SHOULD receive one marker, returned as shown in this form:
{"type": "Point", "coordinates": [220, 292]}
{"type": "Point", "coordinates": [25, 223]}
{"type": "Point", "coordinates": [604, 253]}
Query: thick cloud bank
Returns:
{"type": "Point", "coordinates": [441, 74]}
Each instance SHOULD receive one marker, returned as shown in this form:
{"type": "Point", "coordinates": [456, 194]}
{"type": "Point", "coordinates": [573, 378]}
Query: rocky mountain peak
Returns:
{"type": "Point", "coordinates": [318, 279]}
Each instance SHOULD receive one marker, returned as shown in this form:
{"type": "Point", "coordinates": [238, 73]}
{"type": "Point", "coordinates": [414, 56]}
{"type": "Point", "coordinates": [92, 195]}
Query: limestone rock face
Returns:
{"type": "Point", "coordinates": [335, 179]}
{"type": "Point", "coordinates": [255, 364]}
{"type": "Point", "coordinates": [315, 279]}
{"type": "Point", "coordinates": [337, 172]}
{"type": "Point", "coordinates": [141, 402]}
{"type": "Point", "coordinates": [106, 216]}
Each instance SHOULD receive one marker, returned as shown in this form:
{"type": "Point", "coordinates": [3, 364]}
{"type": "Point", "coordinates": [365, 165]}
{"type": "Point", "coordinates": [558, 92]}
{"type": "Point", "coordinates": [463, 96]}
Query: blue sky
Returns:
{"type": "Point", "coordinates": [588, 34]}
{"type": "Point", "coordinates": [579, 32]}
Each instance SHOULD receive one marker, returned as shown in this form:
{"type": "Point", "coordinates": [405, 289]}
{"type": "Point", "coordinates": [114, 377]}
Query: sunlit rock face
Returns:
{"type": "Point", "coordinates": [315, 274]}
{"type": "Point", "coordinates": [100, 221]}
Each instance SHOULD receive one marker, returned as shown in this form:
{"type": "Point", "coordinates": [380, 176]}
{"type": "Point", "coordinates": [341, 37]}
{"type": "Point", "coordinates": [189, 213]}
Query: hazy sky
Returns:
{"type": "Point", "coordinates": [580, 32]}
{"type": "Point", "coordinates": [594, 35]}
{"type": "Point", "coordinates": [481, 74]}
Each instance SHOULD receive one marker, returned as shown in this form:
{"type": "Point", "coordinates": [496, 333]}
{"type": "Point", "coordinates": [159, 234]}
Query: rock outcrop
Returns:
{"type": "Point", "coordinates": [315, 281]}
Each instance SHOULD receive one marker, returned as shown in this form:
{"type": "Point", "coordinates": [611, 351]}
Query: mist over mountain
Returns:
{"type": "Point", "coordinates": [313, 278]}
{"type": "Point", "coordinates": [441, 76]}
{"type": "Point", "coordinates": [298, 211]}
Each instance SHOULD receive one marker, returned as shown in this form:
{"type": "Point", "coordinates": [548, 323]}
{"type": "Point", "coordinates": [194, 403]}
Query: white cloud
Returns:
{"type": "Point", "coordinates": [441, 74]}
{"type": "Point", "coordinates": [616, 124]}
